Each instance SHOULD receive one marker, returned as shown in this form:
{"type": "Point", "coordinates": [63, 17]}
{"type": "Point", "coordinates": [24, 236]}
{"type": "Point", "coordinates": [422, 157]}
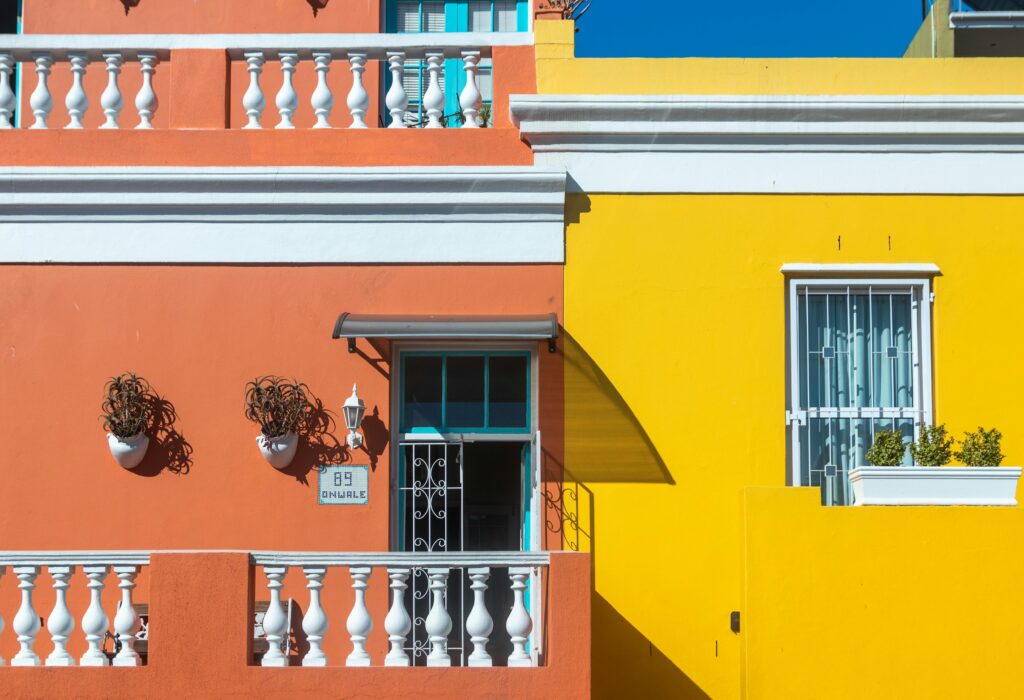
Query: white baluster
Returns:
{"type": "Point", "coordinates": [146, 102]}
{"type": "Point", "coordinates": [322, 100]}
{"type": "Point", "coordinates": [519, 625]}
{"type": "Point", "coordinates": [275, 622]}
{"type": "Point", "coordinates": [41, 101]}
{"type": "Point", "coordinates": [438, 623]}
{"type": "Point", "coordinates": [253, 100]}
{"type": "Point", "coordinates": [287, 99]}
{"type": "Point", "coordinates": [433, 98]}
{"type": "Point", "coordinates": [77, 101]}
{"type": "Point", "coordinates": [470, 98]}
{"type": "Point", "coordinates": [60, 623]}
{"type": "Point", "coordinates": [95, 621]}
{"type": "Point", "coordinates": [358, 99]}
{"type": "Point", "coordinates": [359, 623]}
{"type": "Point", "coordinates": [479, 623]}
{"type": "Point", "coordinates": [111, 100]}
{"type": "Point", "coordinates": [7, 97]}
{"type": "Point", "coordinates": [396, 100]}
{"type": "Point", "coordinates": [26, 621]}
{"type": "Point", "coordinates": [314, 624]}
{"type": "Point", "coordinates": [126, 622]}
{"type": "Point", "coordinates": [397, 624]}
{"type": "Point", "coordinates": [3, 570]}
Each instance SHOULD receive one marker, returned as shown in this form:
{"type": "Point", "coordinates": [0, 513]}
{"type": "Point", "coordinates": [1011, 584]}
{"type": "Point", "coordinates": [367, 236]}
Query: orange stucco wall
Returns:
{"type": "Point", "coordinates": [200, 643]}
{"type": "Point", "coordinates": [198, 334]}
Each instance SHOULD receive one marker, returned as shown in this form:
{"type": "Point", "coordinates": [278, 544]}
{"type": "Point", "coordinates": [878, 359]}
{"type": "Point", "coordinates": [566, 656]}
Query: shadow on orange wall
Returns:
{"type": "Point", "coordinates": [617, 644]}
{"type": "Point", "coordinates": [168, 448]}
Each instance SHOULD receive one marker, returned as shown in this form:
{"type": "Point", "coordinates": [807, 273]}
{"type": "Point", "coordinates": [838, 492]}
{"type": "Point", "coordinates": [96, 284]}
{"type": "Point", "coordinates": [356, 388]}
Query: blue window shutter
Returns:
{"type": "Point", "coordinates": [523, 16]}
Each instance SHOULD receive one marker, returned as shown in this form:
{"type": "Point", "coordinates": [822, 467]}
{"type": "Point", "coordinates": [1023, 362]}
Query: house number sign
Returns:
{"type": "Point", "coordinates": [344, 485]}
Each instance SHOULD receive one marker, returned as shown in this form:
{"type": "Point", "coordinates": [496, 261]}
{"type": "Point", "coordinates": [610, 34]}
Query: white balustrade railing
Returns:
{"type": "Point", "coordinates": [111, 53]}
{"type": "Point", "coordinates": [395, 571]}
{"type": "Point", "coordinates": [60, 624]}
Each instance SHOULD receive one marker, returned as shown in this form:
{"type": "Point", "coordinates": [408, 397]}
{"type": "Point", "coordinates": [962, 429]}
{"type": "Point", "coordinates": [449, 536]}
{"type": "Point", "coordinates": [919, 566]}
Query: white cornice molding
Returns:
{"type": "Point", "coordinates": [986, 20]}
{"type": "Point", "coordinates": [832, 269]}
{"type": "Point", "coordinates": [281, 215]}
{"type": "Point", "coordinates": [778, 143]}
{"type": "Point", "coordinates": [770, 122]}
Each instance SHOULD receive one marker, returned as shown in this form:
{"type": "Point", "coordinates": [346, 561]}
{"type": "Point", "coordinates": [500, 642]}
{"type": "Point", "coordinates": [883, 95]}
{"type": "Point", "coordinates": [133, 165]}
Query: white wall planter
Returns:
{"type": "Point", "coordinates": [129, 451]}
{"type": "Point", "coordinates": [278, 451]}
{"type": "Point", "coordinates": [935, 486]}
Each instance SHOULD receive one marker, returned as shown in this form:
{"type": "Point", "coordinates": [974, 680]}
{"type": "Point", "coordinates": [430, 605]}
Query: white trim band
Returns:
{"type": "Point", "coordinates": [404, 559]}
{"type": "Point", "coordinates": [415, 44]}
{"type": "Point", "coordinates": [282, 215]}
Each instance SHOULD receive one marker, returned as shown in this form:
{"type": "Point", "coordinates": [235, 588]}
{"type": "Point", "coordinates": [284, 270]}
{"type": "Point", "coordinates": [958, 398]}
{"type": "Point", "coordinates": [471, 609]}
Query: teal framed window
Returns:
{"type": "Point", "coordinates": [450, 16]}
{"type": "Point", "coordinates": [465, 392]}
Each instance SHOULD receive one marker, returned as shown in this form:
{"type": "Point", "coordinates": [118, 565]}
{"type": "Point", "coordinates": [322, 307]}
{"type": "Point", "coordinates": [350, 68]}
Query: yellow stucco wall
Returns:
{"type": "Point", "coordinates": [830, 613]}
{"type": "Point", "coordinates": [675, 396]}
{"type": "Point", "coordinates": [675, 321]}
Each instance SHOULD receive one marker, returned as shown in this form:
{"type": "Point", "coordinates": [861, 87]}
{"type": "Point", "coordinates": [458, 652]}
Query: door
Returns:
{"type": "Point", "coordinates": [465, 475]}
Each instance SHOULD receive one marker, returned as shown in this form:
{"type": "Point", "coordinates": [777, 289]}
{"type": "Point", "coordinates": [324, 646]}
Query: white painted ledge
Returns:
{"type": "Point", "coordinates": [282, 215]}
{"type": "Point", "coordinates": [986, 20]}
{"type": "Point", "coordinates": [861, 144]}
{"type": "Point", "coordinates": [829, 269]}
{"type": "Point", "coordinates": [415, 44]}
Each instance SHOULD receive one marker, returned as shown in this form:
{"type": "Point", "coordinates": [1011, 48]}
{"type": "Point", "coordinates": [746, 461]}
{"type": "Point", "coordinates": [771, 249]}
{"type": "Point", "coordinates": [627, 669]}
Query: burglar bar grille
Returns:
{"type": "Point", "coordinates": [856, 368]}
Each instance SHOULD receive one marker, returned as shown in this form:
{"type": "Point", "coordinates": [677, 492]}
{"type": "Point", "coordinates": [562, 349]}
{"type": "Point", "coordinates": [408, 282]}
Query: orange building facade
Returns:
{"type": "Point", "coordinates": [201, 254]}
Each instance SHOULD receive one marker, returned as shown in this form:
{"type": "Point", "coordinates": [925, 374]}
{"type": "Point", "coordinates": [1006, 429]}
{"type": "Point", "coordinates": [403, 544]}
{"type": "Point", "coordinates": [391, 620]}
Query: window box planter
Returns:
{"type": "Point", "coordinates": [935, 486]}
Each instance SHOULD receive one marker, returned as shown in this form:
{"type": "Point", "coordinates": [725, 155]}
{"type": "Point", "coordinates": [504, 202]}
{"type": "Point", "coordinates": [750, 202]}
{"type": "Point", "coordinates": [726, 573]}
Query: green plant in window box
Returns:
{"type": "Point", "coordinates": [280, 407]}
{"type": "Point", "coordinates": [933, 447]}
{"type": "Point", "coordinates": [887, 450]}
{"type": "Point", "coordinates": [981, 448]}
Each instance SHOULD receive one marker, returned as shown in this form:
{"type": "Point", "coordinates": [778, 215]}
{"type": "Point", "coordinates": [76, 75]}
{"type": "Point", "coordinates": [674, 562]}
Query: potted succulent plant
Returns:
{"type": "Point", "coordinates": [127, 410]}
{"type": "Point", "coordinates": [280, 407]}
{"type": "Point", "coordinates": [931, 482]}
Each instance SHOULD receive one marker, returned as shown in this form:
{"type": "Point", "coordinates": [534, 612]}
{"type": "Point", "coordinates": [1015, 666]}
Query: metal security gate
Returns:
{"type": "Point", "coordinates": [430, 501]}
{"type": "Point", "coordinates": [860, 362]}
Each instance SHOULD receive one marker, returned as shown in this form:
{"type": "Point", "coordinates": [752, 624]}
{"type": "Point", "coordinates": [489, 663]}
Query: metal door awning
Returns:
{"type": "Point", "coordinates": [526, 327]}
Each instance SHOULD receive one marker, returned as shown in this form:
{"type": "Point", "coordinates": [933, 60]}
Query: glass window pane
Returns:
{"type": "Point", "coordinates": [480, 16]}
{"type": "Point", "coordinates": [507, 395]}
{"type": "Point", "coordinates": [465, 392]}
{"type": "Point", "coordinates": [433, 16]}
{"type": "Point", "coordinates": [408, 17]}
{"type": "Point", "coordinates": [422, 392]}
{"type": "Point", "coordinates": [505, 16]}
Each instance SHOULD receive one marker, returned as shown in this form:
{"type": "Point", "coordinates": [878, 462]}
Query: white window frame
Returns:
{"type": "Point", "coordinates": [922, 299]}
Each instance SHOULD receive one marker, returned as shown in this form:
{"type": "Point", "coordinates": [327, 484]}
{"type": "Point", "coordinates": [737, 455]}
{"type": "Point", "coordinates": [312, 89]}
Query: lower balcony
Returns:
{"type": "Point", "coordinates": [266, 624]}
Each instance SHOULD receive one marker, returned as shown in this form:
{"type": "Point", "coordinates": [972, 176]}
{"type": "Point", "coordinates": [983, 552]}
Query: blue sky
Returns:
{"type": "Point", "coordinates": [747, 28]}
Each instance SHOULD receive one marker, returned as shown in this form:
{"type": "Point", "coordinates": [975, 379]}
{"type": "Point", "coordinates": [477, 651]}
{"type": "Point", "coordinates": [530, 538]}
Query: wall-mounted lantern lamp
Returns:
{"type": "Point", "coordinates": [317, 5]}
{"type": "Point", "coordinates": [354, 409]}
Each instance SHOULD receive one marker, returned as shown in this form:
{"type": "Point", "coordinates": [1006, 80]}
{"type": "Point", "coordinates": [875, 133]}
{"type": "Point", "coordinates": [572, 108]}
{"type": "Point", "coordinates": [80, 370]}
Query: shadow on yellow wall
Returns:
{"type": "Point", "coordinates": [604, 441]}
{"type": "Point", "coordinates": [617, 644]}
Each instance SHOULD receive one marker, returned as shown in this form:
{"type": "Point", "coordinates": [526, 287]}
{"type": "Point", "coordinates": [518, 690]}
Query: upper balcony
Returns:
{"type": "Point", "coordinates": [263, 99]}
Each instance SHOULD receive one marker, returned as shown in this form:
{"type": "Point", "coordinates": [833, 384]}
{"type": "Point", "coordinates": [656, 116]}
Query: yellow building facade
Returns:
{"type": "Point", "coordinates": [678, 453]}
